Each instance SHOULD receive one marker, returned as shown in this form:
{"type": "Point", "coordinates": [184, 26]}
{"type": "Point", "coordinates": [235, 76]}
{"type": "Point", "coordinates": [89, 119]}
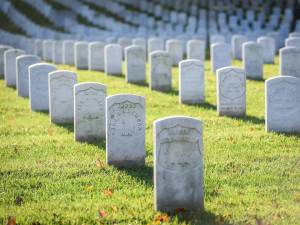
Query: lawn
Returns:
{"type": "Point", "coordinates": [251, 177]}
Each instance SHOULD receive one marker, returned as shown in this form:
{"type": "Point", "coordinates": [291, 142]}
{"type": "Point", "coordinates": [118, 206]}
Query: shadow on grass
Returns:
{"type": "Point", "coordinates": [204, 218]}
{"type": "Point", "coordinates": [143, 174]}
{"type": "Point", "coordinates": [247, 118]}
{"type": "Point", "coordinates": [256, 79]}
{"type": "Point", "coordinates": [205, 105]}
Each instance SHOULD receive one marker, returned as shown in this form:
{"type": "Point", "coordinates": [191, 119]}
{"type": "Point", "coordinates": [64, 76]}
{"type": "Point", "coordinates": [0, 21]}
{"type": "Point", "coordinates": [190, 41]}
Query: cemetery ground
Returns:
{"type": "Point", "coordinates": [251, 176]}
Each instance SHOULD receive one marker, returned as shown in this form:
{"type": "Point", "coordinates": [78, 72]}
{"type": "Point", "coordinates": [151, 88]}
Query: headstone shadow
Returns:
{"type": "Point", "coordinates": [248, 118]}
{"type": "Point", "coordinates": [143, 174]}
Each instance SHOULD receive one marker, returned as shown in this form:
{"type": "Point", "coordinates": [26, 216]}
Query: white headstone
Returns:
{"type": "Point", "coordinates": [81, 53]}
{"type": "Point", "coordinates": [135, 64]}
{"type": "Point", "coordinates": [293, 42]}
{"type": "Point", "coordinates": [61, 96]}
{"type": "Point", "coordinates": [237, 42]}
{"type": "Point", "coordinates": [125, 126]}
{"type": "Point", "coordinates": [58, 52]}
{"type": "Point", "coordinates": [231, 91]}
{"type": "Point", "coordinates": [96, 56]}
{"type": "Point", "coordinates": [140, 42]}
{"type": "Point", "coordinates": [68, 52]}
{"type": "Point", "coordinates": [48, 50]}
{"type": "Point", "coordinates": [191, 81]}
{"type": "Point", "coordinates": [174, 48]}
{"type": "Point", "coordinates": [290, 61]}
{"type": "Point", "coordinates": [178, 164]}
{"type": "Point", "coordinates": [283, 104]}
{"type": "Point", "coordinates": [10, 66]}
{"type": "Point", "coordinates": [269, 49]}
{"type": "Point", "coordinates": [22, 64]}
{"type": "Point", "coordinates": [3, 49]}
{"type": "Point", "coordinates": [160, 71]}
{"type": "Point", "coordinates": [38, 86]}
{"type": "Point", "coordinates": [113, 59]}
{"type": "Point", "coordinates": [155, 44]}
{"type": "Point", "coordinates": [196, 49]}
{"type": "Point", "coordinates": [253, 60]}
{"type": "Point", "coordinates": [220, 56]}
{"type": "Point", "coordinates": [38, 47]}
{"type": "Point", "coordinates": [89, 111]}
{"type": "Point", "coordinates": [217, 38]}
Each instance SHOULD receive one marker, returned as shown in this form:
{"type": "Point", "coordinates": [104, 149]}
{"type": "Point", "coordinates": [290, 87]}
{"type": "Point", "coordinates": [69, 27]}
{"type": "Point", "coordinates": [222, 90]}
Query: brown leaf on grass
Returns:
{"type": "Point", "coordinates": [50, 131]}
{"type": "Point", "coordinates": [102, 213]}
{"type": "Point", "coordinates": [114, 208]}
{"type": "Point", "coordinates": [99, 163]}
{"type": "Point", "coordinates": [11, 220]}
{"type": "Point", "coordinates": [108, 192]}
{"type": "Point", "coordinates": [161, 218]}
{"type": "Point", "coordinates": [260, 222]}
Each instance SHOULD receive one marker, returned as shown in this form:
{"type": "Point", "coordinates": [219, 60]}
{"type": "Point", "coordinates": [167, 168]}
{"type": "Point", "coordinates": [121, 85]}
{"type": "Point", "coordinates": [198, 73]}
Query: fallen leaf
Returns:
{"type": "Point", "coordinates": [89, 188]}
{"type": "Point", "coordinates": [99, 163]}
{"type": "Point", "coordinates": [161, 218]}
{"type": "Point", "coordinates": [114, 208]}
{"type": "Point", "coordinates": [102, 213]}
{"type": "Point", "coordinates": [108, 192]}
{"type": "Point", "coordinates": [11, 220]}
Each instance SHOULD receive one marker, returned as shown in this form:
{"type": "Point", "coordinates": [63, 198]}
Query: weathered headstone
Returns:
{"type": "Point", "coordinates": [191, 81]}
{"type": "Point", "coordinates": [231, 91]}
{"type": "Point", "coordinates": [3, 48]}
{"type": "Point", "coordinates": [293, 42]}
{"type": "Point", "coordinates": [38, 86]}
{"type": "Point", "coordinates": [61, 96]}
{"type": "Point", "coordinates": [160, 71]}
{"type": "Point", "coordinates": [237, 42]}
{"type": "Point", "coordinates": [81, 53]}
{"type": "Point", "coordinates": [125, 126]}
{"type": "Point", "coordinates": [196, 49]}
{"type": "Point", "coordinates": [253, 60]}
{"type": "Point", "coordinates": [135, 64]}
{"type": "Point", "coordinates": [22, 64]}
{"type": "Point", "coordinates": [68, 52]}
{"type": "Point", "coordinates": [220, 56]}
{"type": "Point", "coordinates": [89, 111]}
{"type": "Point", "coordinates": [178, 164]}
{"type": "Point", "coordinates": [57, 52]}
{"type": "Point", "coordinates": [290, 61]}
{"type": "Point", "coordinates": [48, 50]}
{"type": "Point", "coordinates": [10, 66]}
{"type": "Point", "coordinates": [96, 56]}
{"type": "Point", "coordinates": [174, 48]}
{"type": "Point", "coordinates": [269, 49]}
{"type": "Point", "coordinates": [283, 104]}
{"type": "Point", "coordinates": [113, 59]}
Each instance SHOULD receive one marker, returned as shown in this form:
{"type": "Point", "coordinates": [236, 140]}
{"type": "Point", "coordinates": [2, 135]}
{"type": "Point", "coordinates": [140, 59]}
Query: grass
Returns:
{"type": "Point", "coordinates": [251, 177]}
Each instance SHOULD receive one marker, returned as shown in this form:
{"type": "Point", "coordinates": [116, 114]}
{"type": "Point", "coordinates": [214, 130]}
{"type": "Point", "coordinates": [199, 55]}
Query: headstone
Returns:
{"type": "Point", "coordinates": [38, 47]}
{"type": "Point", "coordinates": [231, 91]}
{"type": "Point", "coordinates": [61, 96]}
{"type": "Point", "coordinates": [253, 60]}
{"type": "Point", "coordinates": [140, 42]}
{"type": "Point", "coordinates": [58, 52]}
{"type": "Point", "coordinates": [155, 44]}
{"type": "Point", "coordinates": [89, 111]}
{"type": "Point", "coordinates": [237, 42]}
{"type": "Point", "coordinates": [160, 71]}
{"type": "Point", "coordinates": [220, 56]}
{"type": "Point", "coordinates": [22, 64]}
{"type": "Point", "coordinates": [217, 39]}
{"type": "Point", "coordinates": [283, 104]}
{"type": "Point", "coordinates": [135, 64]}
{"type": "Point", "coordinates": [196, 49]}
{"type": "Point", "coordinates": [293, 42]}
{"type": "Point", "coordinates": [174, 48]}
{"type": "Point", "coordinates": [125, 126]}
{"type": "Point", "coordinates": [96, 56]}
{"type": "Point", "coordinates": [191, 81]}
{"type": "Point", "coordinates": [289, 58]}
{"type": "Point", "coordinates": [124, 42]}
{"type": "Point", "coordinates": [38, 86]}
{"type": "Point", "coordinates": [48, 50]}
{"type": "Point", "coordinates": [3, 48]}
{"type": "Point", "coordinates": [68, 53]}
{"type": "Point", "coordinates": [81, 55]}
{"type": "Point", "coordinates": [10, 66]}
{"type": "Point", "coordinates": [178, 164]}
{"type": "Point", "coordinates": [113, 59]}
{"type": "Point", "coordinates": [269, 49]}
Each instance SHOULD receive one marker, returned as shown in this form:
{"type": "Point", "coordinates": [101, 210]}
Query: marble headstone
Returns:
{"type": "Point", "coordinates": [96, 56]}
{"type": "Point", "coordinates": [253, 60]}
{"type": "Point", "coordinates": [68, 52]}
{"type": "Point", "coordinates": [220, 56]}
{"type": "Point", "coordinates": [81, 53]}
{"type": "Point", "coordinates": [10, 66]}
{"type": "Point", "coordinates": [113, 59]}
{"type": "Point", "coordinates": [58, 52]}
{"type": "Point", "coordinates": [237, 42]}
{"type": "Point", "coordinates": [174, 48]}
{"type": "Point", "coordinates": [290, 61]}
{"type": "Point", "coordinates": [3, 48]}
{"type": "Point", "coordinates": [125, 126]}
{"type": "Point", "coordinates": [196, 49]}
{"type": "Point", "coordinates": [269, 49]}
{"type": "Point", "coordinates": [48, 50]}
{"type": "Point", "coordinates": [135, 64]}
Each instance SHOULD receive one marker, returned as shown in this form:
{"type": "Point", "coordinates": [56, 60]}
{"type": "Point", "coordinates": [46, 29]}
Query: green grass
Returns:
{"type": "Point", "coordinates": [251, 177]}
